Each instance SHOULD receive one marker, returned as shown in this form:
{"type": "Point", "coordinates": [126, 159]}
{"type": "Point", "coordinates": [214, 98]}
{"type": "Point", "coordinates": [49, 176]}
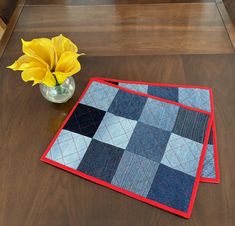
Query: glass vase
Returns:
{"type": "Point", "coordinates": [59, 93]}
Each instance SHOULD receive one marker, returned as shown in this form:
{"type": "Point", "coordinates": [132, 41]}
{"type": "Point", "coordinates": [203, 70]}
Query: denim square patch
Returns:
{"type": "Point", "coordinates": [182, 154]}
{"type": "Point", "coordinates": [191, 124]}
{"type": "Point", "coordinates": [135, 173]}
{"type": "Point", "coordinates": [101, 160]}
{"type": "Point", "coordinates": [115, 130]}
{"type": "Point", "coordinates": [85, 120]}
{"type": "Point", "coordinates": [99, 96]}
{"type": "Point", "coordinates": [148, 141]}
{"type": "Point", "coordinates": [209, 163]}
{"type": "Point", "coordinates": [159, 114]}
{"type": "Point", "coordinates": [168, 93]}
{"type": "Point", "coordinates": [194, 97]}
{"type": "Point", "coordinates": [127, 105]}
{"type": "Point", "coordinates": [69, 148]}
{"type": "Point", "coordinates": [172, 188]}
{"type": "Point", "coordinates": [210, 141]}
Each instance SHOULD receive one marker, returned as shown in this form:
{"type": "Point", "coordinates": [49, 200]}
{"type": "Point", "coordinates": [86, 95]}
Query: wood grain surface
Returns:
{"type": "Point", "coordinates": [7, 8]}
{"type": "Point", "coordinates": [10, 26]}
{"type": "Point", "coordinates": [2, 27]}
{"type": "Point", "coordinates": [107, 2]}
{"type": "Point", "coordinates": [230, 6]}
{"type": "Point", "coordinates": [37, 194]}
{"type": "Point", "coordinates": [229, 24]}
{"type": "Point", "coordinates": [130, 29]}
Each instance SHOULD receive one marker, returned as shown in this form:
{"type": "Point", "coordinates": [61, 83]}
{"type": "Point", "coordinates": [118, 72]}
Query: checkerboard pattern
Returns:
{"type": "Point", "coordinates": [142, 145]}
{"type": "Point", "coordinates": [193, 97]}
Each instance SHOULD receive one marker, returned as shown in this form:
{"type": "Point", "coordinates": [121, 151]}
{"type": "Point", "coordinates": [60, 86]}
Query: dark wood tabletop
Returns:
{"type": "Point", "coordinates": [182, 43]}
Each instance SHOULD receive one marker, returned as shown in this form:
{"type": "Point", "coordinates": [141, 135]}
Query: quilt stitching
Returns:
{"type": "Point", "coordinates": [69, 151]}
{"type": "Point", "coordinates": [195, 98]}
{"type": "Point", "coordinates": [149, 142]}
{"type": "Point", "coordinates": [127, 105]}
{"type": "Point", "coordinates": [182, 154]}
{"type": "Point", "coordinates": [191, 125]}
{"type": "Point", "coordinates": [159, 114]}
{"type": "Point", "coordinates": [170, 191]}
{"type": "Point", "coordinates": [85, 120]}
{"type": "Point", "coordinates": [115, 130]}
{"type": "Point", "coordinates": [99, 96]}
{"type": "Point", "coordinates": [191, 98]}
{"type": "Point", "coordinates": [135, 173]}
{"type": "Point", "coordinates": [101, 160]}
{"type": "Point", "coordinates": [169, 93]}
{"type": "Point", "coordinates": [209, 163]}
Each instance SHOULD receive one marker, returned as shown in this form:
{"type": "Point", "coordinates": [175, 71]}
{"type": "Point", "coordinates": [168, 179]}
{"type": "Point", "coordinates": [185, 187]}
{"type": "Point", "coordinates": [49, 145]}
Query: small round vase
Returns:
{"type": "Point", "coordinates": [59, 93]}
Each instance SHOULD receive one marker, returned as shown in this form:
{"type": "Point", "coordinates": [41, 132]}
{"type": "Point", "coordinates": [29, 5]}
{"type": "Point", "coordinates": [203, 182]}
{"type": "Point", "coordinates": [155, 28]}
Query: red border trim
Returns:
{"type": "Point", "coordinates": [215, 180]}
{"type": "Point", "coordinates": [150, 83]}
{"type": "Point", "coordinates": [123, 191]}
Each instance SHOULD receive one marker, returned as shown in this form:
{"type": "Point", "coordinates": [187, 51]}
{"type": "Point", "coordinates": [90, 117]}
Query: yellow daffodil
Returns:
{"type": "Point", "coordinates": [48, 61]}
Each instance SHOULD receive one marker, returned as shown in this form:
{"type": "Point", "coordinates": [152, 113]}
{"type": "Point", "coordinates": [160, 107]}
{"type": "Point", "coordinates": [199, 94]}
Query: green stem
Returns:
{"type": "Point", "coordinates": [58, 86]}
{"type": "Point", "coordinates": [57, 83]}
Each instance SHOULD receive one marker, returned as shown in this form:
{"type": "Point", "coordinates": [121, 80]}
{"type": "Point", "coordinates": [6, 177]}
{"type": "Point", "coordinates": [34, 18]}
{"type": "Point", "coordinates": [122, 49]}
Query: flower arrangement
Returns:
{"type": "Point", "coordinates": [48, 61]}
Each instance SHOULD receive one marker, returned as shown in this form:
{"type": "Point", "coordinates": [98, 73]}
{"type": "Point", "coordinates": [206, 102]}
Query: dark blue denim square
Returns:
{"type": "Point", "coordinates": [127, 105]}
{"type": "Point", "coordinates": [115, 83]}
{"type": "Point", "coordinates": [172, 188]}
{"type": "Point", "coordinates": [85, 120]}
{"type": "Point", "coordinates": [191, 124]}
{"type": "Point", "coordinates": [211, 137]}
{"type": "Point", "coordinates": [168, 93]}
{"type": "Point", "coordinates": [101, 160]}
{"type": "Point", "coordinates": [148, 141]}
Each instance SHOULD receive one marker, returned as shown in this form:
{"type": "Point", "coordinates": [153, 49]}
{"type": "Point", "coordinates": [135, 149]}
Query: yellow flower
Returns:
{"type": "Point", "coordinates": [48, 61]}
{"type": "Point", "coordinates": [66, 66]}
{"type": "Point", "coordinates": [62, 44]}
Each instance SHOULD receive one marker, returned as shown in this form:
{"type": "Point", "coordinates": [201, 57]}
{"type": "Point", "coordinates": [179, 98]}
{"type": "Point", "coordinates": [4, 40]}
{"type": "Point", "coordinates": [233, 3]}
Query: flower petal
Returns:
{"type": "Point", "coordinates": [39, 75]}
{"type": "Point", "coordinates": [24, 62]}
{"type": "Point", "coordinates": [67, 65]}
{"type": "Point", "coordinates": [63, 44]}
{"type": "Point", "coordinates": [49, 79]}
{"type": "Point", "coordinates": [41, 49]}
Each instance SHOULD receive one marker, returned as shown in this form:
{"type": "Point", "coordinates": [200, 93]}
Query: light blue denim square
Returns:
{"type": "Point", "coordinates": [69, 148]}
{"type": "Point", "coordinates": [194, 97]}
{"type": "Point", "coordinates": [115, 130]}
{"type": "Point", "coordinates": [136, 87]}
{"type": "Point", "coordinates": [182, 154]}
{"type": "Point", "coordinates": [208, 169]}
{"type": "Point", "coordinates": [99, 96]}
{"type": "Point", "coordinates": [135, 173]}
{"type": "Point", "coordinates": [159, 114]}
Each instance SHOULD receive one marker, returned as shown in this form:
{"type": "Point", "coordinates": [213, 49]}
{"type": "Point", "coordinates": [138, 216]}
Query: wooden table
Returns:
{"type": "Point", "coordinates": [184, 43]}
{"type": "Point", "coordinates": [230, 6]}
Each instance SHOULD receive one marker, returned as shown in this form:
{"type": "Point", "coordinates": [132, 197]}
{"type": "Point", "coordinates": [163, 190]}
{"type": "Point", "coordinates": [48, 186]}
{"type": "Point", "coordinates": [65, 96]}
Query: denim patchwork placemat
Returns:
{"type": "Point", "coordinates": [149, 148]}
{"type": "Point", "coordinates": [197, 97]}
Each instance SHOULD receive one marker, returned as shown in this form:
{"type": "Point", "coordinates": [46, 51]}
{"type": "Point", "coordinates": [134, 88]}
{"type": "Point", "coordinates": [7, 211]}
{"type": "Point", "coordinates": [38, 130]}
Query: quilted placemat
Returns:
{"type": "Point", "coordinates": [146, 146]}
{"type": "Point", "coordinates": [194, 96]}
